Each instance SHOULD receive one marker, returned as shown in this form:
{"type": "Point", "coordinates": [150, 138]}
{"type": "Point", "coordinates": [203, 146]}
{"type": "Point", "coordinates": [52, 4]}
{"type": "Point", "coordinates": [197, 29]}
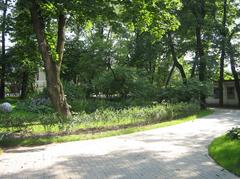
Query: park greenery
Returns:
{"type": "Point", "coordinates": [92, 118]}
{"type": "Point", "coordinates": [159, 49]}
{"type": "Point", "coordinates": [113, 67]}
{"type": "Point", "coordinates": [225, 150]}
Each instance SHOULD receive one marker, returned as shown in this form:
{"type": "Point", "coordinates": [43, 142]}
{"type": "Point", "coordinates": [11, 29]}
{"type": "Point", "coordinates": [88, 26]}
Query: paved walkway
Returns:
{"type": "Point", "coordinates": [173, 152]}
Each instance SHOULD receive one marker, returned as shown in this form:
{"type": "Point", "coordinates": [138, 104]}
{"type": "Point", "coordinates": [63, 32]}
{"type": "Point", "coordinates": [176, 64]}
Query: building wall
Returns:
{"type": "Point", "coordinates": [226, 101]}
{"type": "Point", "coordinates": [40, 81]}
{"type": "Point", "coordinates": [212, 100]}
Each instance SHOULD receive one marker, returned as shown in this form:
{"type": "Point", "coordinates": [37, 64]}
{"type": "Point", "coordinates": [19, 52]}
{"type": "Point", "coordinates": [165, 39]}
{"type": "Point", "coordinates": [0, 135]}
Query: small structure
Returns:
{"type": "Point", "coordinates": [229, 94]}
{"type": "Point", "coordinates": [40, 80]}
{"type": "Point", "coordinates": [6, 107]}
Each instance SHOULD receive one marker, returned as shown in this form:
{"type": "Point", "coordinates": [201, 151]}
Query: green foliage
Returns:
{"type": "Point", "coordinates": [135, 115]}
{"type": "Point", "coordinates": [154, 16]}
{"type": "Point", "coordinates": [37, 105]}
{"type": "Point", "coordinates": [32, 141]}
{"type": "Point", "coordinates": [226, 153]}
{"type": "Point", "coordinates": [37, 102]}
{"type": "Point", "coordinates": [91, 105]}
{"type": "Point", "coordinates": [73, 91]}
{"type": "Point", "coordinates": [120, 49]}
{"type": "Point", "coordinates": [124, 81]}
{"type": "Point", "coordinates": [181, 92]}
{"type": "Point", "coordinates": [234, 133]}
{"type": "Point", "coordinates": [111, 116]}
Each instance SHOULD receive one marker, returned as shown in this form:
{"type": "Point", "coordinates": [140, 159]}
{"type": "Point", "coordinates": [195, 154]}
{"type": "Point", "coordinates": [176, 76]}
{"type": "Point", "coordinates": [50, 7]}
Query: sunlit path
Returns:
{"type": "Point", "coordinates": [173, 152]}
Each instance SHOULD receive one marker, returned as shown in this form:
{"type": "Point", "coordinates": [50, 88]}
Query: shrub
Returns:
{"type": "Point", "coordinates": [134, 115]}
{"type": "Point", "coordinates": [73, 91]}
{"type": "Point", "coordinates": [180, 92]}
{"type": "Point", "coordinates": [35, 105]}
{"type": "Point", "coordinates": [91, 105]}
{"type": "Point", "coordinates": [101, 118]}
{"type": "Point", "coordinates": [234, 133]}
{"type": "Point", "coordinates": [124, 81]}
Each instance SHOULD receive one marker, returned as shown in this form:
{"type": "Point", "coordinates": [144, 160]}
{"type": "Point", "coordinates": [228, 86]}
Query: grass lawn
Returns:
{"type": "Point", "coordinates": [31, 141]}
{"type": "Point", "coordinates": [226, 152]}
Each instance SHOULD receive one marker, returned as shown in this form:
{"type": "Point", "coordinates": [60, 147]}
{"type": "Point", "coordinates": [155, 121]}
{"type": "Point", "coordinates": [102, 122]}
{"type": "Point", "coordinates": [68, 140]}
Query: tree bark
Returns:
{"type": "Point", "coordinates": [234, 71]}
{"type": "Point", "coordinates": [199, 14]}
{"type": "Point", "coordinates": [52, 66]}
{"type": "Point", "coordinates": [24, 85]}
{"type": "Point", "coordinates": [202, 64]}
{"type": "Point", "coordinates": [169, 75]}
{"type": "Point", "coordinates": [195, 63]}
{"type": "Point", "coordinates": [174, 57]}
{"type": "Point", "coordinates": [223, 53]}
{"type": "Point", "coordinates": [3, 55]}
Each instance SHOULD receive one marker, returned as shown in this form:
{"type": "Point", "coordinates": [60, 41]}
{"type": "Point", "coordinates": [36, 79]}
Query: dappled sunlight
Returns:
{"type": "Point", "coordinates": [173, 152]}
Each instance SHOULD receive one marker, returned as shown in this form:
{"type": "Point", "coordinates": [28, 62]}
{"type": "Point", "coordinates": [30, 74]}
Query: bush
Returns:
{"type": "Point", "coordinates": [91, 105]}
{"type": "Point", "coordinates": [123, 82]}
{"type": "Point", "coordinates": [100, 118]}
{"type": "Point", "coordinates": [234, 133]}
{"type": "Point", "coordinates": [180, 92]}
{"type": "Point", "coordinates": [35, 105]}
{"type": "Point", "coordinates": [134, 115]}
{"type": "Point", "coordinates": [73, 91]}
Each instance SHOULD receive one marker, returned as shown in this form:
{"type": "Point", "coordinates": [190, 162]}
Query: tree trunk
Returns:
{"type": "Point", "coordinates": [24, 85]}
{"type": "Point", "coordinates": [169, 75]}
{"type": "Point", "coordinates": [52, 66]}
{"type": "Point", "coordinates": [202, 64]}
{"type": "Point", "coordinates": [233, 68]}
{"type": "Point", "coordinates": [175, 60]}
{"type": "Point", "coordinates": [195, 63]}
{"type": "Point", "coordinates": [223, 53]}
{"type": "Point", "coordinates": [199, 13]}
{"type": "Point", "coordinates": [3, 55]}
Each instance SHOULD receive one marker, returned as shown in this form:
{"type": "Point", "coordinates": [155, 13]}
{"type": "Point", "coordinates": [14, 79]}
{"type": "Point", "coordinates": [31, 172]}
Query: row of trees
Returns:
{"type": "Point", "coordinates": [101, 45]}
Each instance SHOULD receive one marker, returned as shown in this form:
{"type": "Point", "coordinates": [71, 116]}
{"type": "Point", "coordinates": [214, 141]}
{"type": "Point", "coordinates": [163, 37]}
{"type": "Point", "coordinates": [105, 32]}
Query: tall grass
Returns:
{"type": "Point", "coordinates": [28, 122]}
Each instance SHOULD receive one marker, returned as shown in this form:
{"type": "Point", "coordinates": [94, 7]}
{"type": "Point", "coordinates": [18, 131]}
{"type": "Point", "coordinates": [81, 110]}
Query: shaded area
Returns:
{"type": "Point", "coordinates": [125, 164]}
{"type": "Point", "coordinates": [173, 152]}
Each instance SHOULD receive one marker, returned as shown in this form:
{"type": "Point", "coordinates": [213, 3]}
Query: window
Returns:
{"type": "Point", "coordinates": [230, 93]}
{"type": "Point", "coordinates": [37, 76]}
{"type": "Point", "coordinates": [216, 93]}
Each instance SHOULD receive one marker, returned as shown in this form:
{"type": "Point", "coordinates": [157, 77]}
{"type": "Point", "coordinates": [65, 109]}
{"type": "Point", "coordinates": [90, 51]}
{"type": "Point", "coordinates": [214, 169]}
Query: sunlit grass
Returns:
{"type": "Point", "coordinates": [57, 139]}
{"type": "Point", "coordinates": [226, 152]}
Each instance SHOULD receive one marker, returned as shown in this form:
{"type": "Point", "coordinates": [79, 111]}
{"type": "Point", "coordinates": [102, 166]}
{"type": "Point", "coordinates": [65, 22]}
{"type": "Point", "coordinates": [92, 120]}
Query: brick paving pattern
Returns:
{"type": "Point", "coordinates": [167, 153]}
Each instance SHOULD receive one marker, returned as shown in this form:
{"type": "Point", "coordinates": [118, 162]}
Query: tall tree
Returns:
{"type": "Point", "coordinates": [52, 60]}
{"type": "Point", "coordinates": [25, 58]}
{"type": "Point", "coordinates": [200, 15]}
{"type": "Point", "coordinates": [223, 51]}
{"type": "Point", "coordinates": [232, 54]}
{"type": "Point", "coordinates": [175, 58]}
{"type": "Point", "coordinates": [3, 55]}
{"type": "Point", "coordinates": [198, 9]}
{"type": "Point", "coordinates": [44, 14]}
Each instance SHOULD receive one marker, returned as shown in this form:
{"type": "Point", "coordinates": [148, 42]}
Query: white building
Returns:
{"type": "Point", "coordinates": [229, 94]}
{"type": "Point", "coordinates": [40, 80]}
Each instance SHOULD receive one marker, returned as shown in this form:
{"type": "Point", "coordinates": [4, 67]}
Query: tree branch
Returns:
{"type": "Point", "coordinates": [61, 36]}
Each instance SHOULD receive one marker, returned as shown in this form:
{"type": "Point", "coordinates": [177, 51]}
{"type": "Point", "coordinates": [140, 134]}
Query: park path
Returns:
{"type": "Point", "coordinates": [173, 152]}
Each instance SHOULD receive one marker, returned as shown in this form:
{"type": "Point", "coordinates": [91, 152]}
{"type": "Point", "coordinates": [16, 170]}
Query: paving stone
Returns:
{"type": "Point", "coordinates": [173, 152]}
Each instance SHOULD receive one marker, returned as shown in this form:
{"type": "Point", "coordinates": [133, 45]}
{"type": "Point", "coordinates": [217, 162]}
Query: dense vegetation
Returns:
{"type": "Point", "coordinates": [23, 128]}
{"type": "Point", "coordinates": [112, 64]}
{"type": "Point", "coordinates": [156, 49]}
{"type": "Point", "coordinates": [225, 151]}
{"type": "Point", "coordinates": [31, 118]}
